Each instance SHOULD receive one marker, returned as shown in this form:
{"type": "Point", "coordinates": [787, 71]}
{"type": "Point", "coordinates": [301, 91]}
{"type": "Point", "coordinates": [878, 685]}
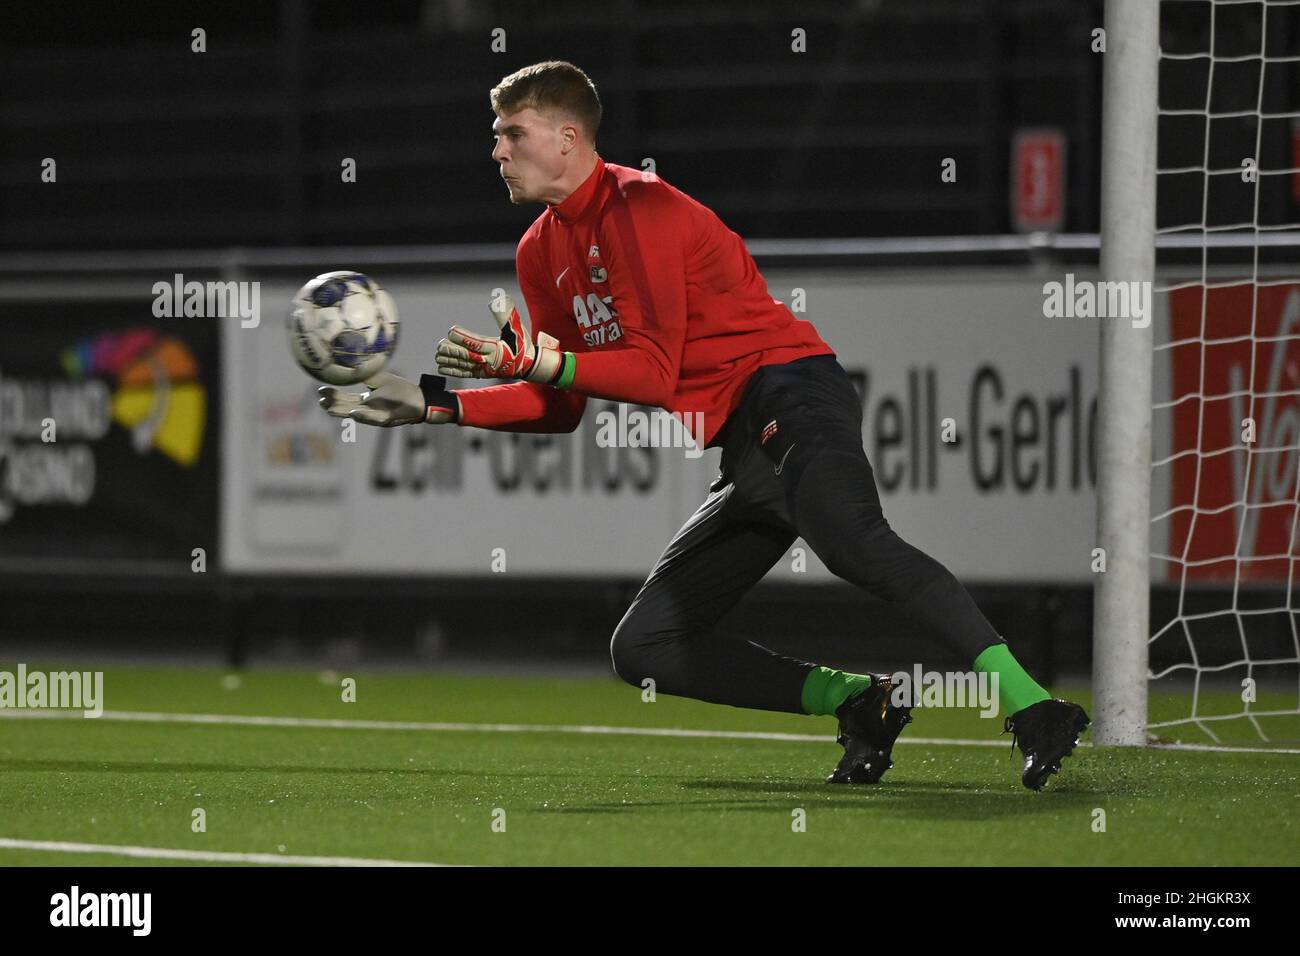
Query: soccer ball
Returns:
{"type": "Point", "coordinates": [342, 327]}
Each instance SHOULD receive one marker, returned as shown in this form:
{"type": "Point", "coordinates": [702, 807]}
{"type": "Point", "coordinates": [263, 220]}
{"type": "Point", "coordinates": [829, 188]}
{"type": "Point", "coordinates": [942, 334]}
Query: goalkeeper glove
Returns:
{"type": "Point", "coordinates": [513, 354]}
{"type": "Point", "coordinates": [392, 400]}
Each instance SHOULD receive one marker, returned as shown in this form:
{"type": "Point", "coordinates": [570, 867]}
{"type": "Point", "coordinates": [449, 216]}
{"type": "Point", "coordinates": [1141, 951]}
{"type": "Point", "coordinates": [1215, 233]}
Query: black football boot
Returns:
{"type": "Point", "coordinates": [1047, 732]}
{"type": "Point", "coordinates": [870, 722]}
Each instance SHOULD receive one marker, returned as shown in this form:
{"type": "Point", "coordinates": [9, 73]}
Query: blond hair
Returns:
{"type": "Point", "coordinates": [555, 88]}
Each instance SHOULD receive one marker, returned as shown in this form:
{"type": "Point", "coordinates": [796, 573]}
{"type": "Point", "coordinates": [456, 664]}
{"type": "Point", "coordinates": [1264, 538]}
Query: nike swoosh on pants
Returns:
{"type": "Point", "coordinates": [781, 464]}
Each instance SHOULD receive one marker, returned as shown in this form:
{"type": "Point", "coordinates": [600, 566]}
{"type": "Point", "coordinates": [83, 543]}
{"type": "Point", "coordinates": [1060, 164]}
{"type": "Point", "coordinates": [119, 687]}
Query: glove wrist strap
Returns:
{"type": "Point", "coordinates": [438, 396]}
{"type": "Point", "coordinates": [547, 367]}
{"type": "Point", "coordinates": [564, 376]}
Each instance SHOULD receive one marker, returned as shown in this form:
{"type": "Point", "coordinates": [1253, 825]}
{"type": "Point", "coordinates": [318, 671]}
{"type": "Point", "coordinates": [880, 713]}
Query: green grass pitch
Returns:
{"type": "Point", "coordinates": [610, 799]}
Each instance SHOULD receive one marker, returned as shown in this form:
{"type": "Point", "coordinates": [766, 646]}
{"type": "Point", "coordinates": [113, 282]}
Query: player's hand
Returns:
{"type": "Point", "coordinates": [512, 354]}
{"type": "Point", "coordinates": [393, 400]}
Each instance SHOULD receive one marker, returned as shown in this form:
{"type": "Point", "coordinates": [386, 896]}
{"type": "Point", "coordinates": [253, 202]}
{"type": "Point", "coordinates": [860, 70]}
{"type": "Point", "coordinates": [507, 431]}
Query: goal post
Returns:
{"type": "Point", "coordinates": [1128, 216]}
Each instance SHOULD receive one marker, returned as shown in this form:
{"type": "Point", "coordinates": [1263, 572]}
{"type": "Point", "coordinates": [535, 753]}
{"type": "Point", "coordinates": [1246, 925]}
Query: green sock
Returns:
{"type": "Point", "coordinates": [825, 689]}
{"type": "Point", "coordinates": [1016, 689]}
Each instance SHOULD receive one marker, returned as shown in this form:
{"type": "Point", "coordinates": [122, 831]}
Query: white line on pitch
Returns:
{"type": "Point", "coordinates": [201, 856]}
{"type": "Point", "coordinates": [329, 723]}
{"type": "Point", "coordinates": [1220, 749]}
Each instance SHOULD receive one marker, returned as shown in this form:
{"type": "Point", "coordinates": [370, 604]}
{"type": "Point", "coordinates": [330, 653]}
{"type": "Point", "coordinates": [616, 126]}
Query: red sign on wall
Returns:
{"type": "Point", "coordinates": [1038, 180]}
{"type": "Point", "coordinates": [1244, 491]}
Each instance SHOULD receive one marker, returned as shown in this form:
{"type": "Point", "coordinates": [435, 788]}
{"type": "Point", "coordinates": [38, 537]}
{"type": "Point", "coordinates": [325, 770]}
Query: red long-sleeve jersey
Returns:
{"type": "Point", "coordinates": [659, 301]}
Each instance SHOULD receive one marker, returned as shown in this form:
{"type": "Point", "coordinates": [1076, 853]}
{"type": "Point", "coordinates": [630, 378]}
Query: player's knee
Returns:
{"type": "Point", "coordinates": [838, 512]}
{"type": "Point", "coordinates": [628, 650]}
{"type": "Point", "coordinates": [908, 576]}
{"type": "Point", "coordinates": [859, 543]}
{"type": "Point", "coordinates": [840, 561]}
{"type": "Point", "coordinates": [867, 552]}
{"type": "Point", "coordinates": [836, 488]}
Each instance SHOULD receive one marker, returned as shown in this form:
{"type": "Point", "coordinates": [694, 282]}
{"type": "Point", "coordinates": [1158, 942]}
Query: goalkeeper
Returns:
{"type": "Point", "coordinates": [637, 293]}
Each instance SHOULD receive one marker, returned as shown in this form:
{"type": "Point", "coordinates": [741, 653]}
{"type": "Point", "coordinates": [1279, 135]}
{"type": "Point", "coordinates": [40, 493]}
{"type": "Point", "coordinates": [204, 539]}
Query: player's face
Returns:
{"type": "Point", "coordinates": [528, 152]}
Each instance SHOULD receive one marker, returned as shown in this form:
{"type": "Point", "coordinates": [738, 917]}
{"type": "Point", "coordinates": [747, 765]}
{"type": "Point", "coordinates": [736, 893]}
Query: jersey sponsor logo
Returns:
{"type": "Point", "coordinates": [598, 319]}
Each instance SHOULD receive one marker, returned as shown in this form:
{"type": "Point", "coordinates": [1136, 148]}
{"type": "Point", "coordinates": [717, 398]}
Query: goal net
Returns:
{"type": "Point", "coordinates": [1223, 655]}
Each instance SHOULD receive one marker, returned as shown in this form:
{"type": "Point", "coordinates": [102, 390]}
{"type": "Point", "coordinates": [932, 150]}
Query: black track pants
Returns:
{"type": "Point", "coordinates": [792, 466]}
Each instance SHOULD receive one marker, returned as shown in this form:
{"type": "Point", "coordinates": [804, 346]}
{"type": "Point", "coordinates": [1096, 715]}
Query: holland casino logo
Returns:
{"type": "Point", "coordinates": [145, 382]}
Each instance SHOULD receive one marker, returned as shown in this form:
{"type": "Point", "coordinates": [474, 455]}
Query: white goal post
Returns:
{"type": "Point", "coordinates": [1128, 214]}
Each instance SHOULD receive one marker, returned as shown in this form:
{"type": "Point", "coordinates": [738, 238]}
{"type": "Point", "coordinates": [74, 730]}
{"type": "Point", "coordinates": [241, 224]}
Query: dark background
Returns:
{"type": "Point", "coordinates": [159, 148]}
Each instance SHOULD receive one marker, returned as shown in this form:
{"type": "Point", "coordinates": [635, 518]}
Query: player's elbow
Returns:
{"type": "Point", "coordinates": [636, 379]}
{"type": "Point", "coordinates": [657, 390]}
{"type": "Point", "coordinates": [576, 407]}
{"type": "Point", "coordinates": [653, 396]}
{"type": "Point", "coordinates": [664, 393]}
